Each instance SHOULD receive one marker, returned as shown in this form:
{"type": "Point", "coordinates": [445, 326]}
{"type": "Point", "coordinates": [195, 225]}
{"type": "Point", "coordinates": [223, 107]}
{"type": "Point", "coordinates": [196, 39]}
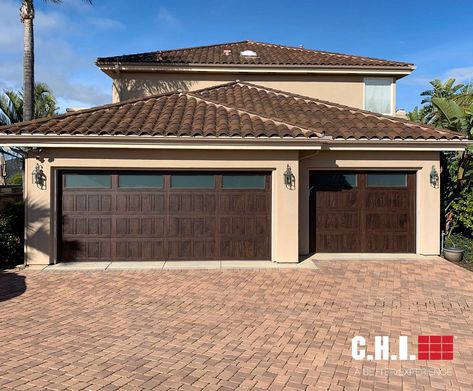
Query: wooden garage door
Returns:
{"type": "Point", "coordinates": [165, 216]}
{"type": "Point", "coordinates": [363, 212]}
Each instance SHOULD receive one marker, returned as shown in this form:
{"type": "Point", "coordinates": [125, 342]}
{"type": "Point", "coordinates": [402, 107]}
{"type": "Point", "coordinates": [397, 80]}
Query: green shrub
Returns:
{"type": "Point", "coordinates": [16, 179]}
{"type": "Point", "coordinates": [11, 234]}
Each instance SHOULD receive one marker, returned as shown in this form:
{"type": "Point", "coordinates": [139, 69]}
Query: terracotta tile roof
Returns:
{"type": "Point", "coordinates": [266, 54]}
{"type": "Point", "coordinates": [235, 109]}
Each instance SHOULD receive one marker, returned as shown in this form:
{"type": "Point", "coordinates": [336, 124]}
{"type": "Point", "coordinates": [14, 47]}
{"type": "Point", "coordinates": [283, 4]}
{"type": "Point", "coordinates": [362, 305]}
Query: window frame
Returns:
{"type": "Point", "coordinates": [392, 83]}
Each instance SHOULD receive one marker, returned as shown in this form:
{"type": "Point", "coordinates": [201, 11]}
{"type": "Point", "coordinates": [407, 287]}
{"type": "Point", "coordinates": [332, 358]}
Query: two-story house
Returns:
{"type": "Point", "coordinates": [239, 151]}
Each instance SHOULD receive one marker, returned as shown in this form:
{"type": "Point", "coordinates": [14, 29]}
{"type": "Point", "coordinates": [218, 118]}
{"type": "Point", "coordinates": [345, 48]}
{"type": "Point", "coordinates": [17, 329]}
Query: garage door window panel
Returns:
{"type": "Point", "coordinates": [87, 181]}
{"type": "Point", "coordinates": [246, 181]}
{"type": "Point", "coordinates": [387, 179]}
{"type": "Point", "coordinates": [140, 181]}
{"type": "Point", "coordinates": [336, 180]}
{"type": "Point", "coordinates": [183, 181]}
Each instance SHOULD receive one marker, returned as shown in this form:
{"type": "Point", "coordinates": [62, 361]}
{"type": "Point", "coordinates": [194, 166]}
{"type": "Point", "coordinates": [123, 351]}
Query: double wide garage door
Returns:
{"type": "Point", "coordinates": [370, 211]}
{"type": "Point", "coordinates": [127, 216]}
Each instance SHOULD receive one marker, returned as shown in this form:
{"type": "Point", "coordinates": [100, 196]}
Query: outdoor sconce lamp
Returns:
{"type": "Point", "coordinates": [39, 177]}
{"type": "Point", "coordinates": [434, 178]}
{"type": "Point", "coordinates": [289, 178]}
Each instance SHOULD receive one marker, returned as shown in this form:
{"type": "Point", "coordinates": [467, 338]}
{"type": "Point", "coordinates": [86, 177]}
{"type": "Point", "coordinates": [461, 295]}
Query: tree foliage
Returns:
{"type": "Point", "coordinates": [449, 105]}
{"type": "Point", "coordinates": [11, 104]}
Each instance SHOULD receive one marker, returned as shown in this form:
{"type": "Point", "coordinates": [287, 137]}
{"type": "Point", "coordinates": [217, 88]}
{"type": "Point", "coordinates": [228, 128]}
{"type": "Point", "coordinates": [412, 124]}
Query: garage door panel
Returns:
{"type": "Point", "coordinates": [387, 221]}
{"type": "Point", "coordinates": [387, 199]}
{"type": "Point", "coordinates": [333, 242]}
{"type": "Point", "coordinates": [392, 243]}
{"type": "Point", "coordinates": [331, 219]}
{"type": "Point", "coordinates": [120, 221]}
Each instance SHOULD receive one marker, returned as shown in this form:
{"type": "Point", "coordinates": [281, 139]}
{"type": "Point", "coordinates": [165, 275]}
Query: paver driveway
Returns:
{"type": "Point", "coordinates": [234, 329]}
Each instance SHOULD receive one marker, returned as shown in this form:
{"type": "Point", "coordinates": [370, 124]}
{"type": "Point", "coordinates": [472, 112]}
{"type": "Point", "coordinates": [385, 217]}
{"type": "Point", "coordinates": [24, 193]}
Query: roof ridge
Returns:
{"type": "Point", "coordinates": [344, 107]}
{"type": "Point", "coordinates": [252, 113]}
{"type": "Point", "coordinates": [173, 50]}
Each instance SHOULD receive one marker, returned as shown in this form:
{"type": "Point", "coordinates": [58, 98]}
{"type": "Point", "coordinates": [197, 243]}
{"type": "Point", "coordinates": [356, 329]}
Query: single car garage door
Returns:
{"type": "Point", "coordinates": [126, 216]}
{"type": "Point", "coordinates": [362, 211]}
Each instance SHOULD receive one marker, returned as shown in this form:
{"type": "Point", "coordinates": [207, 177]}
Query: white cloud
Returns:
{"type": "Point", "coordinates": [69, 72]}
{"type": "Point", "coordinates": [164, 16]}
{"type": "Point", "coordinates": [106, 23]}
{"type": "Point", "coordinates": [464, 74]}
{"type": "Point", "coordinates": [12, 31]}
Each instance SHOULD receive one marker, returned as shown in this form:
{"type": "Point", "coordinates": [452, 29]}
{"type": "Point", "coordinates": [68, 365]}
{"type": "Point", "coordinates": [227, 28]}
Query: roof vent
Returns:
{"type": "Point", "coordinates": [248, 53]}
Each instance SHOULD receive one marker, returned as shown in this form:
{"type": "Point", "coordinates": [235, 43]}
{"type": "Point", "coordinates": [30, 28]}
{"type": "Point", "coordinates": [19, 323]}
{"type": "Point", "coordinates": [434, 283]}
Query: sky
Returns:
{"type": "Point", "coordinates": [434, 35]}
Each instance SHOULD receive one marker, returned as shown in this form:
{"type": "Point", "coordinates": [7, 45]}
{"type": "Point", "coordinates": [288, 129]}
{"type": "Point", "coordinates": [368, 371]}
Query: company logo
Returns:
{"type": "Point", "coordinates": [429, 347]}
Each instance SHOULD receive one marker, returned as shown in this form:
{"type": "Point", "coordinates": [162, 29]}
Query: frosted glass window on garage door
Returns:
{"type": "Point", "coordinates": [140, 181]}
{"type": "Point", "coordinates": [378, 95]}
{"type": "Point", "coordinates": [87, 181]}
{"type": "Point", "coordinates": [247, 181]}
{"type": "Point", "coordinates": [387, 179]}
{"type": "Point", "coordinates": [182, 181]}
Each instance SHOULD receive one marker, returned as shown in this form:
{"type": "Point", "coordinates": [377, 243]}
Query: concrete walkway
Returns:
{"type": "Point", "coordinates": [173, 265]}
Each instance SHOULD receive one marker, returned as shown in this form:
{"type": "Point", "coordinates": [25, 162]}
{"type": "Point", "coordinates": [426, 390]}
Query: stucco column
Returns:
{"type": "Point", "coordinates": [38, 243]}
{"type": "Point", "coordinates": [285, 237]}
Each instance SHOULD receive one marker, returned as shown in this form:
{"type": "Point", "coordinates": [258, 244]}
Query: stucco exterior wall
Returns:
{"type": "Point", "coordinates": [290, 208]}
{"type": "Point", "coordinates": [343, 89]}
{"type": "Point", "coordinates": [42, 204]}
{"type": "Point", "coordinates": [427, 197]}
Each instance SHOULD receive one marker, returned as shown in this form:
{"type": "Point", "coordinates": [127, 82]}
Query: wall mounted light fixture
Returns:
{"type": "Point", "coordinates": [289, 178]}
{"type": "Point", "coordinates": [434, 178]}
{"type": "Point", "coordinates": [39, 177]}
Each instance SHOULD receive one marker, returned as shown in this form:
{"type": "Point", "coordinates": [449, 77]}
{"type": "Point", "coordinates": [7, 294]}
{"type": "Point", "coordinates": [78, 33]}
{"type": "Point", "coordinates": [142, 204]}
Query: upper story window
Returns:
{"type": "Point", "coordinates": [379, 95]}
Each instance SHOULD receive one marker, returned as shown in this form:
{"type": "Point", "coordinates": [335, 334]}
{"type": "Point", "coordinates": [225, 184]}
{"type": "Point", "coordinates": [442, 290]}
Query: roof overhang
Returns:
{"type": "Point", "coordinates": [112, 69]}
{"type": "Point", "coordinates": [229, 143]}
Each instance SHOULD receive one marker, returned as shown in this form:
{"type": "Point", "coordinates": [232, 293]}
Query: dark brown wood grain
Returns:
{"type": "Point", "coordinates": [363, 219]}
{"type": "Point", "coordinates": [165, 224]}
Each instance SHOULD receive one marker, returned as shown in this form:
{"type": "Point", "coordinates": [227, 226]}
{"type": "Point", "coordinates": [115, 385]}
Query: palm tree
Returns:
{"type": "Point", "coordinates": [27, 16]}
{"type": "Point", "coordinates": [444, 90]}
{"type": "Point", "coordinates": [12, 103]}
{"type": "Point", "coordinates": [11, 111]}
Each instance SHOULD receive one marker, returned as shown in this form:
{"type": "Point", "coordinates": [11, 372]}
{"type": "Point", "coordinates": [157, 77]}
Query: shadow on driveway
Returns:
{"type": "Point", "coordinates": [11, 285]}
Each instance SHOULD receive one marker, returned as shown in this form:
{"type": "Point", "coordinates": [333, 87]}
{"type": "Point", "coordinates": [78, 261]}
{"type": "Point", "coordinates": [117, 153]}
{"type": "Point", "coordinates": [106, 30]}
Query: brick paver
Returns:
{"type": "Point", "coordinates": [233, 329]}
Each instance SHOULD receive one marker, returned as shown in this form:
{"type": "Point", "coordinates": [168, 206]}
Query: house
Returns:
{"type": "Point", "coordinates": [262, 152]}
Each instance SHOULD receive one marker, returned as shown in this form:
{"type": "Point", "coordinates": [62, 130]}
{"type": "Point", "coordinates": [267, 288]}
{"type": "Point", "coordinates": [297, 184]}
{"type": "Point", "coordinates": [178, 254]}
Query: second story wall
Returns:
{"type": "Point", "coordinates": [344, 89]}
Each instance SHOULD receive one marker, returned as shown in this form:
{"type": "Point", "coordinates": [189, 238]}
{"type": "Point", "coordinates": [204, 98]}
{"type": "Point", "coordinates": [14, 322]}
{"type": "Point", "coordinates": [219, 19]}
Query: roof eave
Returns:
{"type": "Point", "coordinates": [210, 143]}
{"type": "Point", "coordinates": [113, 67]}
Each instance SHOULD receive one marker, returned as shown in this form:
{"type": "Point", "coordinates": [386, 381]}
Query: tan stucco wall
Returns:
{"type": "Point", "coordinates": [427, 197]}
{"type": "Point", "coordinates": [343, 89]}
{"type": "Point", "coordinates": [41, 203]}
{"type": "Point", "coordinates": [290, 215]}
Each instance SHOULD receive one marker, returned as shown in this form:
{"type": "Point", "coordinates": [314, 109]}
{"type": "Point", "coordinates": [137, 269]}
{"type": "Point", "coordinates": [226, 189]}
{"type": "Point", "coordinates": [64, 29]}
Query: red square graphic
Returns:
{"type": "Point", "coordinates": [447, 339]}
{"type": "Point", "coordinates": [435, 347]}
{"type": "Point", "coordinates": [423, 347]}
{"type": "Point", "coordinates": [423, 339]}
{"type": "Point", "coordinates": [423, 356]}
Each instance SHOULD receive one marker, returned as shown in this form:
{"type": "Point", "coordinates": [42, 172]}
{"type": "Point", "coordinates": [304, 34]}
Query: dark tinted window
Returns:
{"type": "Point", "coordinates": [336, 180]}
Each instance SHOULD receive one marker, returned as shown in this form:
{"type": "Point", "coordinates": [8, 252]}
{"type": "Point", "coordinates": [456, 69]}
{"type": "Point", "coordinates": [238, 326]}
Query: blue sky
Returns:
{"type": "Point", "coordinates": [435, 35]}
